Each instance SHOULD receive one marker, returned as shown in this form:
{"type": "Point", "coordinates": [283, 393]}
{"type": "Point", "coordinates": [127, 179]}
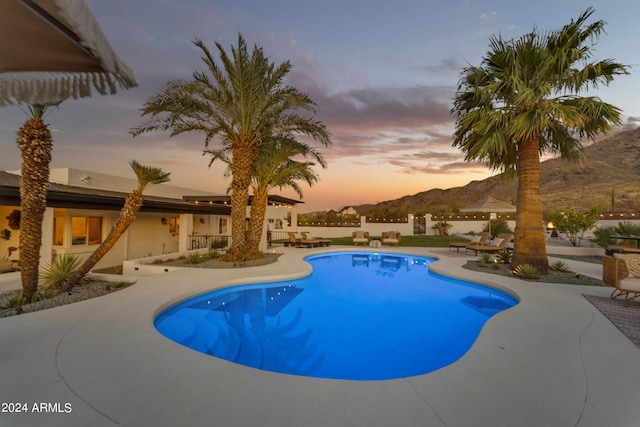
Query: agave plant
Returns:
{"type": "Point", "coordinates": [484, 258]}
{"type": "Point", "coordinates": [559, 266]}
{"type": "Point", "coordinates": [526, 271]}
{"type": "Point", "coordinates": [56, 274]}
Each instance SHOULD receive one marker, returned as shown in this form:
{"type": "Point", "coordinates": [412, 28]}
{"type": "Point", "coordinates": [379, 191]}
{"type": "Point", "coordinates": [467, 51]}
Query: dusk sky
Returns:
{"type": "Point", "coordinates": [383, 75]}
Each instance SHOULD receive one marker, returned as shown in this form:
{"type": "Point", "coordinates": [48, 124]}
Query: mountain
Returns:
{"type": "Point", "coordinates": [608, 178]}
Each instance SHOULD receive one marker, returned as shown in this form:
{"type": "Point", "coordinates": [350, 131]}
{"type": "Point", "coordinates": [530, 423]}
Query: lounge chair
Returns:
{"type": "Point", "coordinates": [320, 240]}
{"type": "Point", "coordinates": [360, 237]}
{"type": "Point", "coordinates": [476, 240]}
{"type": "Point", "coordinates": [298, 241]}
{"type": "Point", "coordinates": [391, 238]}
{"type": "Point", "coordinates": [497, 245]}
{"type": "Point", "coordinates": [623, 273]}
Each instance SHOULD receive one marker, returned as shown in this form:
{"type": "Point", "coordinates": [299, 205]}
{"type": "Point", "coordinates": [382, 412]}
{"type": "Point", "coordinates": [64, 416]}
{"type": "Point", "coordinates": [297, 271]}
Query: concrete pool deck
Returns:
{"type": "Point", "coordinates": [553, 360]}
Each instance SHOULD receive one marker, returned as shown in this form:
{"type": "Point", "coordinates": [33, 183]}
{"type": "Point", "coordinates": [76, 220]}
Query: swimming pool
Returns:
{"type": "Point", "coordinates": [358, 316]}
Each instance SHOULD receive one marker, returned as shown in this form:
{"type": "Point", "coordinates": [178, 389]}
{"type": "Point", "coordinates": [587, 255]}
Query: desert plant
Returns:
{"type": "Point", "coordinates": [56, 274]}
{"type": "Point", "coordinates": [602, 235]}
{"type": "Point", "coordinates": [559, 266]}
{"type": "Point", "coordinates": [442, 227]}
{"type": "Point", "coordinates": [157, 261]}
{"type": "Point", "coordinates": [193, 259]}
{"type": "Point", "coordinates": [626, 228]}
{"type": "Point", "coordinates": [526, 271]}
{"type": "Point", "coordinates": [213, 254]}
{"type": "Point", "coordinates": [498, 226]}
{"type": "Point", "coordinates": [182, 257]}
{"type": "Point", "coordinates": [16, 301]}
{"type": "Point", "coordinates": [505, 256]}
{"type": "Point", "coordinates": [118, 269]}
{"type": "Point", "coordinates": [484, 258]}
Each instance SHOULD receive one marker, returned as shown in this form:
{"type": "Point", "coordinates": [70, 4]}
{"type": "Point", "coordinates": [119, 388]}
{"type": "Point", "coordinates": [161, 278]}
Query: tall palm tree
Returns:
{"type": "Point", "coordinates": [133, 202]}
{"type": "Point", "coordinates": [276, 167]}
{"type": "Point", "coordinates": [524, 100]}
{"type": "Point", "coordinates": [36, 144]}
{"type": "Point", "coordinates": [239, 103]}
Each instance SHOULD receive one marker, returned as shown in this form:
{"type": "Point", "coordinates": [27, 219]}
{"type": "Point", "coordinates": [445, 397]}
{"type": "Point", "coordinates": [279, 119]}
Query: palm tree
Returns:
{"type": "Point", "coordinates": [240, 103]}
{"type": "Point", "coordinates": [276, 168]}
{"type": "Point", "coordinates": [132, 204]}
{"type": "Point", "coordinates": [36, 144]}
{"type": "Point", "coordinates": [523, 101]}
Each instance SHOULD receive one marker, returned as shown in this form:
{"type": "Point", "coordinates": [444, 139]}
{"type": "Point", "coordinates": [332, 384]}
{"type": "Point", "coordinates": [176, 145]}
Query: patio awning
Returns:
{"type": "Point", "coordinates": [51, 50]}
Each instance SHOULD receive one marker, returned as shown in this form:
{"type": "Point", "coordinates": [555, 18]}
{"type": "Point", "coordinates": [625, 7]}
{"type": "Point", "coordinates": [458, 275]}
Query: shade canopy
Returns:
{"type": "Point", "coordinates": [51, 50]}
{"type": "Point", "coordinates": [491, 204]}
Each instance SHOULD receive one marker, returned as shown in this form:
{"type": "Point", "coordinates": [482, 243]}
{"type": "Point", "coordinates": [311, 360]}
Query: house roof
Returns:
{"type": "Point", "coordinates": [72, 197]}
{"type": "Point", "coordinates": [226, 200]}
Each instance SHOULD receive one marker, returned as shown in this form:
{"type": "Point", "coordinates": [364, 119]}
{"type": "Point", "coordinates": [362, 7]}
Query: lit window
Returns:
{"type": "Point", "coordinates": [86, 230]}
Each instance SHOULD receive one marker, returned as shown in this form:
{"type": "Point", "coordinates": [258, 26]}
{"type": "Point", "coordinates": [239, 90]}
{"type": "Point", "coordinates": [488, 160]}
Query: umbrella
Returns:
{"type": "Point", "coordinates": [51, 50]}
{"type": "Point", "coordinates": [491, 205]}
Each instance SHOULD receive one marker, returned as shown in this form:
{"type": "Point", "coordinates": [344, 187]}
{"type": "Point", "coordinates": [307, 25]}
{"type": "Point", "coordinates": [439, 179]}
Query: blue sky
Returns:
{"type": "Point", "coordinates": [382, 73]}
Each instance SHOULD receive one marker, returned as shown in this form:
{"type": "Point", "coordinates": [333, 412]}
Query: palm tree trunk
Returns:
{"type": "Point", "coordinates": [241, 171]}
{"type": "Point", "coordinates": [34, 141]}
{"type": "Point", "coordinates": [530, 244]}
{"type": "Point", "coordinates": [132, 205]}
{"type": "Point", "coordinates": [256, 224]}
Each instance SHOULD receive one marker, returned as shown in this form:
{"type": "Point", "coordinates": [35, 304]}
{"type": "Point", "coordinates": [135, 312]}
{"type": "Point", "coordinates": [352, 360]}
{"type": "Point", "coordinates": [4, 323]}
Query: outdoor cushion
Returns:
{"type": "Point", "coordinates": [630, 284]}
{"type": "Point", "coordinates": [476, 239]}
{"type": "Point", "coordinates": [497, 241]}
{"type": "Point", "coordinates": [632, 262]}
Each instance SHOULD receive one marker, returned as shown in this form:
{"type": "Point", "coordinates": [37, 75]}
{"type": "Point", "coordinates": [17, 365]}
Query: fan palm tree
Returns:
{"type": "Point", "coordinates": [240, 103]}
{"type": "Point", "coordinates": [276, 167]}
{"type": "Point", "coordinates": [133, 202]}
{"type": "Point", "coordinates": [524, 100]}
{"type": "Point", "coordinates": [36, 144]}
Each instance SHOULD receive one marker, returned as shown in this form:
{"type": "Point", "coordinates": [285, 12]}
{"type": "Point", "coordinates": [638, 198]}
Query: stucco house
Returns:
{"type": "Point", "coordinates": [83, 205]}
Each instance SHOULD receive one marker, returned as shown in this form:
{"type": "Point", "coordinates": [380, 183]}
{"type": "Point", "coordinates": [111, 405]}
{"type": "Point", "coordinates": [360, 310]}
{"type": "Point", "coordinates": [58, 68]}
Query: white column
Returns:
{"type": "Point", "coordinates": [46, 250]}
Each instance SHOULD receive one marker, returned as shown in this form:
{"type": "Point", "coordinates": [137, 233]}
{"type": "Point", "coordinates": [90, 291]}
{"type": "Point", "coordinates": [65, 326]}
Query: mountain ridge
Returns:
{"type": "Point", "coordinates": [608, 178]}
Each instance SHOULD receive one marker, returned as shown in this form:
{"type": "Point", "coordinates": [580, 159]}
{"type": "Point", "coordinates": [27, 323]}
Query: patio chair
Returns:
{"type": "Point", "coordinates": [623, 273]}
{"type": "Point", "coordinates": [497, 245]}
{"type": "Point", "coordinates": [360, 237]}
{"type": "Point", "coordinates": [391, 238]}
{"type": "Point", "coordinates": [320, 240]}
{"type": "Point", "coordinates": [476, 240]}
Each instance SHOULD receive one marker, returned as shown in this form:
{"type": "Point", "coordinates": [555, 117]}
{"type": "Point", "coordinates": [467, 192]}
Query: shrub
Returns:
{"type": "Point", "coordinates": [498, 226]}
{"type": "Point", "coordinates": [526, 271]}
{"type": "Point", "coordinates": [602, 236]}
{"type": "Point", "coordinates": [213, 254]}
{"type": "Point", "coordinates": [56, 274]}
{"type": "Point", "coordinates": [559, 266]}
{"type": "Point", "coordinates": [157, 261]}
{"type": "Point", "coordinates": [219, 243]}
{"type": "Point", "coordinates": [573, 224]}
{"type": "Point", "coordinates": [193, 259]}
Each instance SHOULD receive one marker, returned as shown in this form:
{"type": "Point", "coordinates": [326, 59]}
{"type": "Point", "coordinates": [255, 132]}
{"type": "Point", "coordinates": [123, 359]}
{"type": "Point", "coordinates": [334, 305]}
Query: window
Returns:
{"type": "Point", "coordinates": [86, 230]}
{"type": "Point", "coordinates": [222, 226]}
{"type": "Point", "coordinates": [58, 230]}
{"type": "Point", "coordinates": [174, 225]}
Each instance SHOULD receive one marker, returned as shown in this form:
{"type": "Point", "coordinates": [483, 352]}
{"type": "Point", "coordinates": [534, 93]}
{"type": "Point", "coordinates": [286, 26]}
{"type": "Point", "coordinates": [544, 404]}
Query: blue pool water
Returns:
{"type": "Point", "coordinates": [358, 316]}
